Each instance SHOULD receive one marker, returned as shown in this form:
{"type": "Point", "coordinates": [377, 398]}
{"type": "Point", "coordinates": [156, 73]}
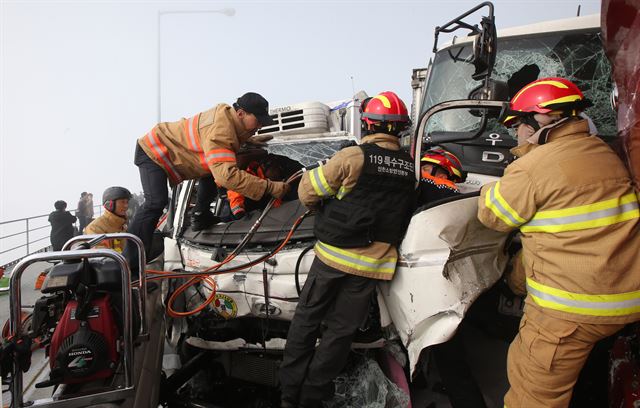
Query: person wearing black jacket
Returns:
{"type": "Point", "coordinates": [61, 225]}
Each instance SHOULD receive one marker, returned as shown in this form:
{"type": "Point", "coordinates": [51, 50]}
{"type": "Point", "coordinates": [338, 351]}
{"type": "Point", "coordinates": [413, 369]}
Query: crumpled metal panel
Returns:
{"type": "Point", "coordinates": [448, 258]}
{"type": "Point", "coordinates": [242, 293]}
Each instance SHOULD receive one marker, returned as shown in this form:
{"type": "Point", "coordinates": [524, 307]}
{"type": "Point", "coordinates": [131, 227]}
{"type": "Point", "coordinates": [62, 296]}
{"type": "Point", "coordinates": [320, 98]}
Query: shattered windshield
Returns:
{"type": "Point", "coordinates": [307, 152]}
{"type": "Point", "coordinates": [578, 56]}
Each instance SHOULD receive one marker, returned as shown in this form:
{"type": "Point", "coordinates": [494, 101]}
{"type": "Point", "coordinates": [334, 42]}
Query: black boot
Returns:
{"type": "Point", "coordinates": [202, 220]}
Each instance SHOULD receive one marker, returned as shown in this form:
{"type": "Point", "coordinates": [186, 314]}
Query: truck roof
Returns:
{"type": "Point", "coordinates": [567, 24]}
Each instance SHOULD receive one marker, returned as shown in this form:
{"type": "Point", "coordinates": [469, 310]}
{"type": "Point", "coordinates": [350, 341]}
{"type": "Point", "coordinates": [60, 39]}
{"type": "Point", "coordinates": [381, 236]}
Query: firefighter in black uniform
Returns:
{"type": "Point", "coordinates": [364, 197]}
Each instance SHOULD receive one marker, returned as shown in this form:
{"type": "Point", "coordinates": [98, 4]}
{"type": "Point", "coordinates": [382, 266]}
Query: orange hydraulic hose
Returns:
{"type": "Point", "coordinates": [173, 313]}
{"type": "Point", "coordinates": [176, 275]}
{"type": "Point", "coordinates": [197, 277]}
{"type": "Point", "coordinates": [206, 277]}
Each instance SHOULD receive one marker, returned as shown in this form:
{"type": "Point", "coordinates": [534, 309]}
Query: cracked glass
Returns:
{"type": "Point", "coordinates": [579, 57]}
{"type": "Point", "coordinates": [307, 153]}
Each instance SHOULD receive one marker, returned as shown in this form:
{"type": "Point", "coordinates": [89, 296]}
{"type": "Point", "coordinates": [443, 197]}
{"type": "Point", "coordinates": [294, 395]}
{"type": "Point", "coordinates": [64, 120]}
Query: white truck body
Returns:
{"type": "Point", "coordinates": [447, 258]}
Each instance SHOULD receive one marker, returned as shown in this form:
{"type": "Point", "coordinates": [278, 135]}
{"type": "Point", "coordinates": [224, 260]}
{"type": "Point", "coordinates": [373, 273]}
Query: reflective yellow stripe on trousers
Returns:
{"type": "Point", "coordinates": [594, 215]}
{"type": "Point", "coordinates": [355, 261]}
{"type": "Point", "coordinates": [621, 304]}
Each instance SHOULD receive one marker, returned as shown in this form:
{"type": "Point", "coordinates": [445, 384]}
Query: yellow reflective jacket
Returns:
{"type": "Point", "coordinates": [108, 223]}
{"type": "Point", "coordinates": [573, 201]}
{"type": "Point", "coordinates": [337, 178]}
{"type": "Point", "coordinates": [205, 143]}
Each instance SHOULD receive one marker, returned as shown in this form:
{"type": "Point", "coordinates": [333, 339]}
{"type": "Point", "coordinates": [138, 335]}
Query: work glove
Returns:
{"type": "Point", "coordinates": [277, 189]}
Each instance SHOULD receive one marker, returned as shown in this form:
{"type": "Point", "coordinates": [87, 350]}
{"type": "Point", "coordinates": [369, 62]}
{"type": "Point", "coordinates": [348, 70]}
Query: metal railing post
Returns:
{"type": "Point", "coordinates": [27, 236]}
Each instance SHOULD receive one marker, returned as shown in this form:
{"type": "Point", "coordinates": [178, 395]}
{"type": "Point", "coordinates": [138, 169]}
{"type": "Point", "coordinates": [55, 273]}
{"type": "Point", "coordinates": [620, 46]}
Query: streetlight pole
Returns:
{"type": "Point", "coordinates": [229, 12]}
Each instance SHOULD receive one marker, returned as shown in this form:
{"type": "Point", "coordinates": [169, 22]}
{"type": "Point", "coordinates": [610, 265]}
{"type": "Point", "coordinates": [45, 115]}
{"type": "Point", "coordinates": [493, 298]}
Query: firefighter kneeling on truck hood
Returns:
{"type": "Point", "coordinates": [204, 144]}
{"type": "Point", "coordinates": [571, 198]}
{"type": "Point", "coordinates": [364, 197]}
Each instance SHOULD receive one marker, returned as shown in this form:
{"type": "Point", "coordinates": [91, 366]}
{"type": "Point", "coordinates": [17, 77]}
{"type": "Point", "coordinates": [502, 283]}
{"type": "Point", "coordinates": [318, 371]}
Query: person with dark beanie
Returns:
{"type": "Point", "coordinates": [61, 222]}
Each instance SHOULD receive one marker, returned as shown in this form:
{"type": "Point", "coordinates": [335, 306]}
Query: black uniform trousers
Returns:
{"type": "Point", "coordinates": [207, 192]}
{"type": "Point", "coordinates": [339, 299]}
{"type": "Point", "coordinates": [156, 198]}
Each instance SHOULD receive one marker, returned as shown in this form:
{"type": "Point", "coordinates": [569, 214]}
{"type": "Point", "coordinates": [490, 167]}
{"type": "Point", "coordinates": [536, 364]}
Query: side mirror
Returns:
{"type": "Point", "coordinates": [484, 49]}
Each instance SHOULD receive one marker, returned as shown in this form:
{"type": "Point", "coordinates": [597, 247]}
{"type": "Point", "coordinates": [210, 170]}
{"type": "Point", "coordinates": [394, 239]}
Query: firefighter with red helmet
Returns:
{"type": "Point", "coordinates": [440, 170]}
{"type": "Point", "coordinates": [571, 198]}
{"type": "Point", "coordinates": [363, 197]}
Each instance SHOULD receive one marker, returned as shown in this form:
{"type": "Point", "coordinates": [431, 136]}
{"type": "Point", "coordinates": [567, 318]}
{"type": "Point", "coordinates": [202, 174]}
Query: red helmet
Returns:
{"type": "Point", "coordinates": [447, 161]}
{"type": "Point", "coordinates": [544, 96]}
{"type": "Point", "coordinates": [385, 107]}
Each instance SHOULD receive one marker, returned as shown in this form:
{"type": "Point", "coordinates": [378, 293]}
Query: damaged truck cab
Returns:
{"type": "Point", "coordinates": [442, 267]}
{"type": "Point", "coordinates": [447, 258]}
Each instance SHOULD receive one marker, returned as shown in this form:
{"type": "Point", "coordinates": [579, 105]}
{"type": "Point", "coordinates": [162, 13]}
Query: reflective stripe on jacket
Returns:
{"type": "Point", "coordinates": [336, 179]}
{"type": "Point", "coordinates": [573, 201]}
{"type": "Point", "coordinates": [205, 143]}
{"type": "Point", "coordinates": [107, 223]}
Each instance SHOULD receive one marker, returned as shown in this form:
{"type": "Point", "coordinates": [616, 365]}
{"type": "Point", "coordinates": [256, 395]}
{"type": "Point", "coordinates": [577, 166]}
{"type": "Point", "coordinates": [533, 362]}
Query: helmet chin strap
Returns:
{"type": "Point", "coordinates": [529, 120]}
{"type": "Point", "coordinates": [542, 134]}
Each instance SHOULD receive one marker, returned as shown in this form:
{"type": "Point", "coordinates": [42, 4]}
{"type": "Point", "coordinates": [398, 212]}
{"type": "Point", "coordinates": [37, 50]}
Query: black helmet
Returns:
{"type": "Point", "coordinates": [112, 194]}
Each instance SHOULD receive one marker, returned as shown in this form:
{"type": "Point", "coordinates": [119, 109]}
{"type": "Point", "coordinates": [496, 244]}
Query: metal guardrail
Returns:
{"type": "Point", "coordinates": [28, 240]}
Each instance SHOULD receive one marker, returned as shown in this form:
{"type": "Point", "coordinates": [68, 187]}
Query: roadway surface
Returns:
{"type": "Point", "coordinates": [29, 294]}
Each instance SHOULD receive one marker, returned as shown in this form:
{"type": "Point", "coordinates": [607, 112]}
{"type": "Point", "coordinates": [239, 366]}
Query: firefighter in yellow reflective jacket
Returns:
{"type": "Point", "coordinates": [364, 197]}
{"type": "Point", "coordinates": [115, 201]}
{"type": "Point", "coordinates": [205, 144]}
{"type": "Point", "coordinates": [572, 199]}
